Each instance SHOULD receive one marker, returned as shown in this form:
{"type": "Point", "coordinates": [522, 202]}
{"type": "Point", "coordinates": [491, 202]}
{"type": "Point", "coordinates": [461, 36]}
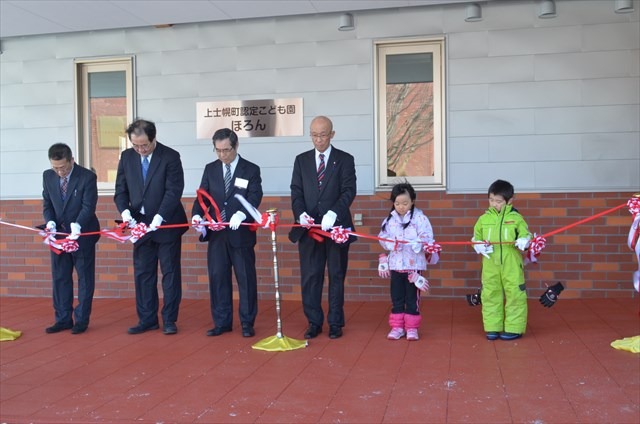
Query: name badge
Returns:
{"type": "Point", "coordinates": [241, 183]}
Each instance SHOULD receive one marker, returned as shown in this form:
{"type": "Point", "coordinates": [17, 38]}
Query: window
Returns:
{"type": "Point", "coordinates": [104, 108]}
{"type": "Point", "coordinates": [410, 113]}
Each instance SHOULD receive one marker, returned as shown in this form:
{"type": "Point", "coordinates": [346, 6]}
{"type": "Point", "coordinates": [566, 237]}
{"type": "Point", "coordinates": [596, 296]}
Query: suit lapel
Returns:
{"type": "Point", "coordinates": [71, 187]}
{"type": "Point", "coordinates": [309, 168]}
{"type": "Point", "coordinates": [56, 194]}
{"type": "Point", "coordinates": [329, 168]}
{"type": "Point", "coordinates": [237, 171]}
{"type": "Point", "coordinates": [154, 164]}
{"type": "Point", "coordinates": [217, 191]}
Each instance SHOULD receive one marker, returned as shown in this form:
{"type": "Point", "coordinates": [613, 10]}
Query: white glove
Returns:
{"type": "Point", "coordinates": [328, 220]}
{"type": "Point", "coordinates": [523, 243]}
{"type": "Point", "coordinates": [155, 223]}
{"type": "Point", "coordinates": [236, 219]}
{"type": "Point", "coordinates": [51, 226]}
{"type": "Point", "coordinates": [305, 220]}
{"type": "Point", "coordinates": [75, 231]}
{"type": "Point", "coordinates": [196, 224]}
{"type": "Point", "coordinates": [483, 249]}
{"type": "Point", "coordinates": [383, 266]}
{"type": "Point", "coordinates": [128, 219]}
{"type": "Point", "coordinates": [416, 246]}
{"type": "Point", "coordinates": [420, 282]}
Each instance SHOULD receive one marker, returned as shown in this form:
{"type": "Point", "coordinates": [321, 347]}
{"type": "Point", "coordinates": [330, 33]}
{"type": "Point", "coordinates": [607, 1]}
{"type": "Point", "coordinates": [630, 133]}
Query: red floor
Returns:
{"type": "Point", "coordinates": [562, 371]}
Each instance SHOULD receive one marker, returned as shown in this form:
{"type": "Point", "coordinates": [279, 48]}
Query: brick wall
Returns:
{"type": "Point", "coordinates": [592, 259]}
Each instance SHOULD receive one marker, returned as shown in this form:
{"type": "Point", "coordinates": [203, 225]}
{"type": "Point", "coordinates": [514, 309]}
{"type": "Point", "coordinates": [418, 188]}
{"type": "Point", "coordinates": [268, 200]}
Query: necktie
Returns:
{"type": "Point", "coordinates": [227, 178]}
{"type": "Point", "coordinates": [63, 187]}
{"type": "Point", "coordinates": [145, 168]}
{"type": "Point", "coordinates": [227, 186]}
{"type": "Point", "coordinates": [321, 170]}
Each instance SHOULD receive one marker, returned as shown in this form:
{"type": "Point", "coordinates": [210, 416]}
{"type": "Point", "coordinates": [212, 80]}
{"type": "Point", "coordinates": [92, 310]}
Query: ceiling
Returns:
{"type": "Point", "coordinates": [35, 17]}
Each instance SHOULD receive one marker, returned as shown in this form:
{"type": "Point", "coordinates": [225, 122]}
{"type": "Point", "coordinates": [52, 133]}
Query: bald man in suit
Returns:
{"type": "Point", "coordinates": [70, 196]}
{"type": "Point", "coordinates": [149, 186]}
{"type": "Point", "coordinates": [323, 186]}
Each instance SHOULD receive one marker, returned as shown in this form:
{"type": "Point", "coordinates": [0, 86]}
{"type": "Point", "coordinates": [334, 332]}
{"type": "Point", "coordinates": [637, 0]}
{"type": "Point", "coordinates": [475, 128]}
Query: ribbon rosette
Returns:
{"type": "Point", "coordinates": [69, 246]}
{"type": "Point", "coordinates": [138, 231]}
{"type": "Point", "coordinates": [634, 205]}
{"type": "Point", "coordinates": [535, 248]}
{"type": "Point", "coordinates": [339, 235]}
{"type": "Point", "coordinates": [432, 247]}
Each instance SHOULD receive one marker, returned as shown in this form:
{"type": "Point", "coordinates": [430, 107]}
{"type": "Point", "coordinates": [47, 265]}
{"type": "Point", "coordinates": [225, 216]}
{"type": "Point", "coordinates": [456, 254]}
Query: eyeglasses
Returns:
{"type": "Point", "coordinates": [221, 151]}
{"type": "Point", "coordinates": [62, 168]}
{"type": "Point", "coordinates": [141, 147]}
{"type": "Point", "coordinates": [321, 136]}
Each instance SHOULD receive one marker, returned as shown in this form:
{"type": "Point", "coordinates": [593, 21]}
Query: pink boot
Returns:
{"type": "Point", "coordinates": [411, 324]}
{"type": "Point", "coordinates": [396, 322]}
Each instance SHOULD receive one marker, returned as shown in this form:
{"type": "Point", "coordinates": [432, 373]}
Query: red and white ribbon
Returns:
{"type": "Point", "coordinates": [634, 205]}
{"type": "Point", "coordinates": [432, 247]}
{"type": "Point", "coordinates": [633, 241]}
{"type": "Point", "coordinates": [267, 222]}
{"type": "Point", "coordinates": [138, 231]}
{"type": "Point", "coordinates": [58, 246]}
{"type": "Point", "coordinates": [214, 226]}
{"type": "Point", "coordinates": [535, 248]}
{"type": "Point", "coordinates": [261, 220]}
{"type": "Point", "coordinates": [340, 235]}
{"type": "Point", "coordinates": [69, 246]}
{"type": "Point", "coordinates": [116, 234]}
{"type": "Point", "coordinates": [202, 196]}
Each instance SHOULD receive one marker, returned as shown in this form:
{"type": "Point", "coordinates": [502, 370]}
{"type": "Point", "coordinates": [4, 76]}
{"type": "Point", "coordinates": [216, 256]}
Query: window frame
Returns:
{"type": "Point", "coordinates": [82, 68]}
{"type": "Point", "coordinates": [382, 49]}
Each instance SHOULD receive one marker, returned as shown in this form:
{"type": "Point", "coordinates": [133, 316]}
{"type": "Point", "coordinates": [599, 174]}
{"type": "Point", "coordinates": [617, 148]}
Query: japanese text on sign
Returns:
{"type": "Point", "coordinates": [251, 118]}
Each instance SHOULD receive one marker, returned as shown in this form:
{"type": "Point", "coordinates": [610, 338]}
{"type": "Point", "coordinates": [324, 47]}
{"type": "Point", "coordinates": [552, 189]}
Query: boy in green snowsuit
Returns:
{"type": "Point", "coordinates": [502, 233]}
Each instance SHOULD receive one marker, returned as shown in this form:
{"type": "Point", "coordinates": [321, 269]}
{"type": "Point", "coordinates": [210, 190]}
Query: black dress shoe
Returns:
{"type": "Point", "coordinates": [216, 331]}
{"type": "Point", "coordinates": [312, 332]}
{"type": "Point", "coordinates": [170, 328]}
{"type": "Point", "coordinates": [247, 330]}
{"type": "Point", "coordinates": [335, 332]}
{"type": "Point", "coordinates": [79, 328]}
{"type": "Point", "coordinates": [140, 328]}
{"type": "Point", "coordinates": [58, 327]}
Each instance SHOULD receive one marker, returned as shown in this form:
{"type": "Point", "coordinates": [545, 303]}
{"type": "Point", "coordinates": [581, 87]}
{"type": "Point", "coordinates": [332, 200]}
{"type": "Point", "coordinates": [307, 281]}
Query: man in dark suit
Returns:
{"type": "Point", "coordinates": [323, 186]}
{"type": "Point", "coordinates": [149, 185]}
{"type": "Point", "coordinates": [70, 195]}
{"type": "Point", "coordinates": [232, 245]}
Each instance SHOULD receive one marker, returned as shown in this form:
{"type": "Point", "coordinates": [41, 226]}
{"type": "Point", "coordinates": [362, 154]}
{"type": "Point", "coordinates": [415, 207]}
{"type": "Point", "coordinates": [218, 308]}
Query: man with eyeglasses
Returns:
{"type": "Point", "coordinates": [70, 196]}
{"type": "Point", "coordinates": [230, 246]}
{"type": "Point", "coordinates": [323, 186]}
{"type": "Point", "coordinates": [149, 186]}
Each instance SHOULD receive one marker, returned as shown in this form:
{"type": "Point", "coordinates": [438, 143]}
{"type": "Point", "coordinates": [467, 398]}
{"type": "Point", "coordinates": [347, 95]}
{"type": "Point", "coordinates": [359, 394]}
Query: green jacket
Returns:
{"type": "Point", "coordinates": [505, 227]}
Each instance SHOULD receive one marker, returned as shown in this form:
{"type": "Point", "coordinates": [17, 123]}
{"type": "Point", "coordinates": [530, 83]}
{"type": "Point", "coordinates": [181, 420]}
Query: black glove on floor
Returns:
{"type": "Point", "coordinates": [474, 299]}
{"type": "Point", "coordinates": [550, 297]}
